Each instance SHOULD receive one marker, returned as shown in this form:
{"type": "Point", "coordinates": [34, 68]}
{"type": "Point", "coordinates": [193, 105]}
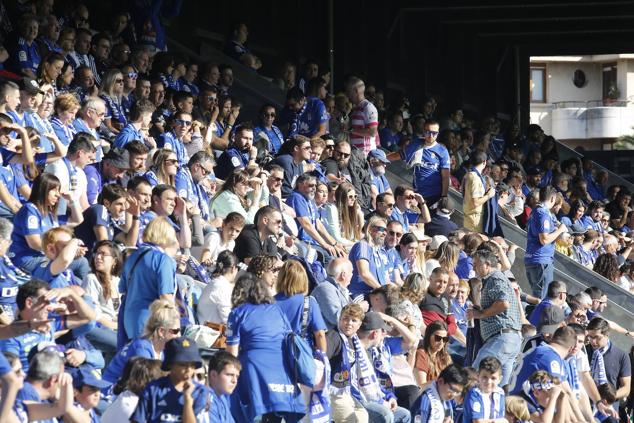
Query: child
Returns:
{"type": "Point", "coordinates": [60, 249]}
{"type": "Point", "coordinates": [485, 403]}
{"type": "Point", "coordinates": [224, 370]}
{"type": "Point", "coordinates": [545, 400]}
{"type": "Point", "coordinates": [516, 409]}
{"type": "Point", "coordinates": [608, 397]}
{"type": "Point", "coordinates": [88, 385]}
{"type": "Point", "coordinates": [436, 400]}
{"type": "Point", "coordinates": [222, 240]}
{"type": "Point", "coordinates": [164, 398]}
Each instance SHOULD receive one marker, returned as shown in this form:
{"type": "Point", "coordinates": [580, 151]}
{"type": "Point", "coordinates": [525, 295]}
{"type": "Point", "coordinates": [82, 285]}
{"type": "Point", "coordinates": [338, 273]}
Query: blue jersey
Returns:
{"type": "Point", "coordinates": [293, 308]}
{"type": "Point", "coordinates": [231, 160]}
{"type": "Point", "coordinates": [11, 180]}
{"type": "Point", "coordinates": [274, 135]}
{"type": "Point", "coordinates": [378, 262]}
{"type": "Point", "coordinates": [27, 55]}
{"type": "Point", "coordinates": [404, 218]}
{"type": "Point", "coordinates": [29, 221]}
{"type": "Point", "coordinates": [540, 221]}
{"type": "Point", "coordinates": [10, 280]}
{"type": "Point", "coordinates": [543, 357]}
{"type": "Point", "coordinates": [432, 407]}
{"type": "Point", "coordinates": [42, 126]}
{"type": "Point", "coordinates": [161, 402]}
{"type": "Point", "coordinates": [114, 110]}
{"type": "Point", "coordinates": [168, 140]}
{"type": "Point", "coordinates": [304, 207]}
{"type": "Point", "coordinates": [80, 125]}
{"type": "Point", "coordinates": [310, 117]}
{"type": "Point", "coordinates": [28, 394]}
{"type": "Point", "coordinates": [95, 215]}
{"type": "Point", "coordinates": [5, 366]}
{"type": "Point", "coordinates": [127, 134]}
{"type": "Point", "coordinates": [64, 132]}
{"type": "Point", "coordinates": [380, 182]}
{"type": "Point", "coordinates": [21, 345]}
{"type": "Point", "coordinates": [389, 140]}
{"type": "Point", "coordinates": [220, 410]}
{"type": "Point", "coordinates": [138, 348]}
{"type": "Point", "coordinates": [61, 280]}
{"type": "Point", "coordinates": [191, 191]}
{"type": "Point", "coordinates": [481, 406]}
{"type": "Point", "coordinates": [428, 162]}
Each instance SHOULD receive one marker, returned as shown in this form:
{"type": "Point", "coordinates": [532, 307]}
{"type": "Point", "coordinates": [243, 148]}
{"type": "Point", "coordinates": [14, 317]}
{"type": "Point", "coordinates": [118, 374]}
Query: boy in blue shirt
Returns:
{"type": "Point", "coordinates": [88, 386]}
{"type": "Point", "coordinates": [164, 399]}
{"type": "Point", "coordinates": [436, 402]}
{"type": "Point", "coordinates": [224, 370]}
{"type": "Point", "coordinates": [485, 402]}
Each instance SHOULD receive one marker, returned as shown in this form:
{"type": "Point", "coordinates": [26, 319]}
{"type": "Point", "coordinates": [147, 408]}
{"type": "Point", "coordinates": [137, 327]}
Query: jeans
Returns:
{"type": "Point", "coordinates": [379, 413]}
{"type": "Point", "coordinates": [540, 276]}
{"type": "Point", "coordinates": [105, 340]}
{"type": "Point", "coordinates": [80, 267]}
{"type": "Point", "coordinates": [505, 347]}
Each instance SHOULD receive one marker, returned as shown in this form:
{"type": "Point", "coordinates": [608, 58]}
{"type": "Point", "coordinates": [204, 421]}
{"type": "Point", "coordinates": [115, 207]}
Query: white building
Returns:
{"type": "Point", "coordinates": [583, 100]}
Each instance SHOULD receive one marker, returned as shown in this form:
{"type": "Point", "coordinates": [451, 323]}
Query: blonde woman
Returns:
{"type": "Point", "coordinates": [343, 215]}
{"type": "Point", "coordinates": [421, 258]}
{"type": "Point", "coordinates": [163, 324]}
{"type": "Point", "coordinates": [112, 93]}
{"type": "Point", "coordinates": [446, 257]}
{"type": "Point", "coordinates": [149, 274]}
{"type": "Point", "coordinates": [164, 168]}
{"type": "Point", "coordinates": [292, 289]}
{"type": "Point", "coordinates": [412, 294]}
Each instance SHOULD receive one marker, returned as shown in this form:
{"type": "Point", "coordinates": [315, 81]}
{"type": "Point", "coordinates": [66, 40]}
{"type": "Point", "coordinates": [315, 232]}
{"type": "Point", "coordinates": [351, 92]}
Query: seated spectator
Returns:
{"type": "Point", "coordinates": [137, 126]}
{"type": "Point", "coordinates": [193, 184]}
{"type": "Point", "coordinates": [592, 219]}
{"type": "Point", "coordinates": [164, 398]}
{"type": "Point", "coordinates": [436, 307]}
{"type": "Point", "coordinates": [176, 139]}
{"type": "Point", "coordinates": [619, 208]}
{"type": "Point", "coordinates": [103, 219]}
{"type": "Point", "coordinates": [223, 239]}
{"type": "Point", "coordinates": [378, 162]}
{"type": "Point", "coordinates": [332, 295]}
{"type": "Point", "coordinates": [390, 136]}
{"type": "Point", "coordinates": [556, 296]}
{"type": "Point", "coordinates": [222, 367]}
{"type": "Point", "coordinates": [436, 400]}
{"type": "Point", "coordinates": [587, 252]}
{"type": "Point", "coordinates": [257, 239]}
{"type": "Point", "coordinates": [148, 274]}
{"type": "Point", "coordinates": [476, 407]}
{"type": "Point", "coordinates": [293, 163]}
{"type": "Point", "coordinates": [343, 218]}
{"type": "Point", "coordinates": [405, 197]}
{"type": "Point", "coordinates": [256, 323]}
{"type": "Point", "coordinates": [36, 217]}
{"type": "Point", "coordinates": [215, 301]}
{"type": "Point", "coordinates": [242, 154]}
{"type": "Point", "coordinates": [369, 259]}
{"type": "Point", "coordinates": [88, 386]}
{"type": "Point", "coordinates": [440, 223]}
{"type": "Point", "coordinates": [267, 268]}
{"type": "Point", "coordinates": [233, 196]}
{"type": "Point", "coordinates": [60, 249]}
{"type": "Point", "coordinates": [433, 356]}
{"type": "Point", "coordinates": [65, 109]}
{"type": "Point", "coordinates": [310, 116]}
{"type": "Point", "coordinates": [545, 398]}
{"type": "Point", "coordinates": [34, 303]}
{"type": "Point", "coordinates": [162, 325]}
{"type": "Point", "coordinates": [138, 372]}
{"type": "Point", "coordinates": [267, 132]}
{"type": "Point", "coordinates": [164, 168]}
{"type": "Point", "coordinates": [408, 253]}
{"type": "Point", "coordinates": [26, 57]}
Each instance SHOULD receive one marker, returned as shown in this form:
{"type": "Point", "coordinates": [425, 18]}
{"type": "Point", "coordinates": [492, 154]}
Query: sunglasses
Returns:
{"type": "Point", "coordinates": [119, 80]}
{"type": "Point", "coordinates": [439, 338]}
{"type": "Point", "coordinates": [410, 197]}
{"type": "Point", "coordinates": [212, 98]}
{"type": "Point", "coordinates": [431, 133]}
{"type": "Point", "coordinates": [380, 228]}
{"type": "Point", "coordinates": [183, 122]}
{"type": "Point", "coordinates": [395, 233]}
{"type": "Point", "coordinates": [132, 75]}
{"type": "Point", "coordinates": [269, 114]}
{"type": "Point", "coordinates": [171, 161]}
{"type": "Point", "coordinates": [344, 155]}
{"type": "Point", "coordinates": [389, 205]}
{"type": "Point", "coordinates": [205, 171]}
{"type": "Point", "coordinates": [276, 179]}
{"type": "Point", "coordinates": [175, 331]}
{"type": "Point", "coordinates": [352, 197]}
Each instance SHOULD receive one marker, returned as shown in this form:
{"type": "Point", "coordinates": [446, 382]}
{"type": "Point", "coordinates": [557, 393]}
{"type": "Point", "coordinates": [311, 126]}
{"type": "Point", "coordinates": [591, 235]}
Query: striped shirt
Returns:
{"type": "Point", "coordinates": [364, 116]}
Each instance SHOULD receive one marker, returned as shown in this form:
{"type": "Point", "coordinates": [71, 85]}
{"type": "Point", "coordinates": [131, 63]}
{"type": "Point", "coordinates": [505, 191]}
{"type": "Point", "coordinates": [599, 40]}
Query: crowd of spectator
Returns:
{"type": "Point", "coordinates": [159, 251]}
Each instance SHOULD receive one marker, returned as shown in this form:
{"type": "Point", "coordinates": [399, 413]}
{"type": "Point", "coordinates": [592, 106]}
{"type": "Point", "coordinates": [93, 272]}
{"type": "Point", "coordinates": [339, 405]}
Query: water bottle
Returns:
{"type": "Point", "coordinates": [470, 322]}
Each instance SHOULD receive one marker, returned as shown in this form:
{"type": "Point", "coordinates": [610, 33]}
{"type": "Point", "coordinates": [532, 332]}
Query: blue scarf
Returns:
{"type": "Point", "coordinates": [490, 225]}
{"type": "Point", "coordinates": [597, 365]}
{"type": "Point", "coordinates": [319, 404]}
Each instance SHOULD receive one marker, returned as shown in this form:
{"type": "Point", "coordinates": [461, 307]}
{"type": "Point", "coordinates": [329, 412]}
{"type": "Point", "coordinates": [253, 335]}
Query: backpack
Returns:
{"type": "Point", "coordinates": [298, 355]}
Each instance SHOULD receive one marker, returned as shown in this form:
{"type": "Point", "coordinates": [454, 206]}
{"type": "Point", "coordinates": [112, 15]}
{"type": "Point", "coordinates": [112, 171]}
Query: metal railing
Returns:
{"type": "Point", "coordinates": [591, 103]}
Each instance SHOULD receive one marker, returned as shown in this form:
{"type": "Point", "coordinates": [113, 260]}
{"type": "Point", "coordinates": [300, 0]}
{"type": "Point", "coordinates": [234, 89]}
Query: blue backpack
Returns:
{"type": "Point", "coordinates": [298, 355]}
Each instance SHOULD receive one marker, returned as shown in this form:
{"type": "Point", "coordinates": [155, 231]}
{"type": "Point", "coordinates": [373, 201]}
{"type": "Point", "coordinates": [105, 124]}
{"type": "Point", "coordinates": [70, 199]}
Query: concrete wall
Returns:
{"type": "Point", "coordinates": [559, 86]}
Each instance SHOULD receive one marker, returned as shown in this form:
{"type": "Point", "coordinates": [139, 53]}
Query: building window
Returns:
{"type": "Point", "coordinates": [610, 90]}
{"type": "Point", "coordinates": [538, 83]}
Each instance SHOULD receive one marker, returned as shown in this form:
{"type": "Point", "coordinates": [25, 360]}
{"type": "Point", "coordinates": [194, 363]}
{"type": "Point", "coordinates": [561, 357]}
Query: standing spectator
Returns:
{"type": "Point", "coordinates": [256, 330]}
{"type": "Point", "coordinates": [148, 274]}
{"type": "Point", "coordinates": [476, 193]}
{"type": "Point", "coordinates": [500, 315]}
{"type": "Point", "coordinates": [431, 164]}
{"type": "Point", "coordinates": [215, 301]}
{"type": "Point", "coordinates": [364, 118]}
{"type": "Point", "coordinates": [332, 295]}
{"type": "Point", "coordinates": [542, 232]}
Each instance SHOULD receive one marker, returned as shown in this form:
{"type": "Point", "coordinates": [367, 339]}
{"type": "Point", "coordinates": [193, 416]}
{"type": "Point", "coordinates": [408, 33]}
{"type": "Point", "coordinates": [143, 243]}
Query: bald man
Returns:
{"type": "Point", "coordinates": [332, 294]}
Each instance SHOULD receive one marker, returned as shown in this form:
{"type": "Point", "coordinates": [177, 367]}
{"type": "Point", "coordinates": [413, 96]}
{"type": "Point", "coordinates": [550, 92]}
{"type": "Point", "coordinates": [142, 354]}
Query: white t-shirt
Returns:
{"type": "Point", "coordinates": [213, 243]}
{"type": "Point", "coordinates": [121, 409]}
{"type": "Point", "coordinates": [215, 301]}
{"type": "Point", "coordinates": [60, 169]}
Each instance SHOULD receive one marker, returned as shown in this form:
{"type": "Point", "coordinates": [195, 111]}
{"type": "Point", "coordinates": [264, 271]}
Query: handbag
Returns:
{"type": "Point", "coordinates": [221, 341]}
{"type": "Point", "coordinates": [298, 355]}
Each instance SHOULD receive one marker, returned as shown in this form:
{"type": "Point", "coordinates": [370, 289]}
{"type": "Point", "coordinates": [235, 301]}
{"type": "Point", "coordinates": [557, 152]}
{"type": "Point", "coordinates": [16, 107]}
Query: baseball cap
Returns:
{"type": "Point", "coordinates": [444, 212]}
{"type": "Point", "coordinates": [378, 154]}
{"type": "Point", "coordinates": [118, 157]}
{"type": "Point", "coordinates": [577, 229]}
{"type": "Point", "coordinates": [29, 85]}
{"type": "Point", "coordinates": [181, 350]}
{"type": "Point", "coordinates": [373, 321]}
{"type": "Point", "coordinates": [534, 170]}
{"type": "Point", "coordinates": [89, 376]}
{"type": "Point", "coordinates": [550, 319]}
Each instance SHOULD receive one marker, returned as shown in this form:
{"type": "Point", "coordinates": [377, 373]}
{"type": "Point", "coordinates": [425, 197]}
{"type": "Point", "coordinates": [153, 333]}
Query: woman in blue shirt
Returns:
{"type": "Point", "coordinates": [369, 259]}
{"type": "Point", "coordinates": [292, 288]}
{"type": "Point", "coordinates": [66, 107]}
{"type": "Point", "coordinates": [267, 131]}
{"type": "Point", "coordinates": [112, 94]}
{"type": "Point", "coordinates": [574, 216]}
{"type": "Point", "coordinates": [255, 331]}
{"type": "Point", "coordinates": [148, 274]}
{"type": "Point", "coordinates": [164, 168]}
{"type": "Point", "coordinates": [36, 217]}
{"type": "Point", "coordinates": [162, 325]}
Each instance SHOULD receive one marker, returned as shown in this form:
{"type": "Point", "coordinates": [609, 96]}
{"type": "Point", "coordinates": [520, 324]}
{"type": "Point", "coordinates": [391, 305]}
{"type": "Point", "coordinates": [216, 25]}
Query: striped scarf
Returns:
{"type": "Point", "coordinates": [598, 365]}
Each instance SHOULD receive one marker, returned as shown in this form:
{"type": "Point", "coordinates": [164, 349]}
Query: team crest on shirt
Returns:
{"type": "Point", "coordinates": [31, 222]}
{"type": "Point", "coordinates": [547, 225]}
{"type": "Point", "coordinates": [476, 407]}
{"type": "Point", "coordinates": [22, 56]}
{"type": "Point", "coordinates": [341, 376]}
{"type": "Point", "coordinates": [235, 161]}
{"type": "Point", "coordinates": [555, 368]}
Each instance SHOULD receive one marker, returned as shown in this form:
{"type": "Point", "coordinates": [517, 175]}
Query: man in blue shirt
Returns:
{"type": "Point", "coordinates": [332, 295]}
{"type": "Point", "coordinates": [378, 162]}
{"type": "Point", "coordinates": [556, 297]}
{"type": "Point", "coordinates": [293, 163]}
{"type": "Point", "coordinates": [390, 136]}
{"type": "Point", "coordinates": [311, 118]}
{"type": "Point", "coordinates": [542, 232]}
{"type": "Point", "coordinates": [311, 229]}
{"type": "Point", "coordinates": [175, 139]}
{"type": "Point", "coordinates": [224, 370]}
{"type": "Point", "coordinates": [241, 155]}
{"type": "Point", "coordinates": [190, 179]}
{"type": "Point", "coordinates": [26, 57]}
{"type": "Point", "coordinates": [431, 166]}
{"type": "Point", "coordinates": [404, 199]}
{"type": "Point", "coordinates": [138, 121]}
